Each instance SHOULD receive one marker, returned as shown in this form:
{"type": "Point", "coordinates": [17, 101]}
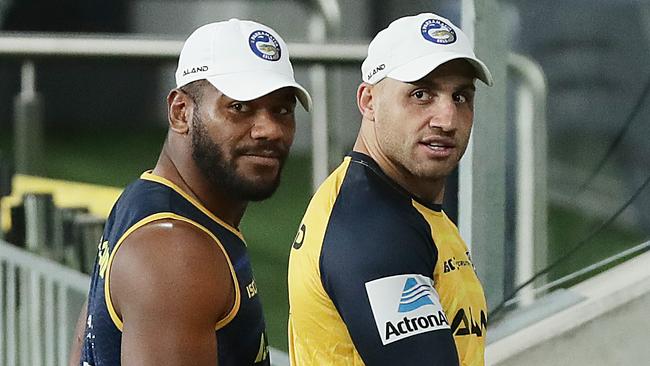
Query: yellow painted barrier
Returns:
{"type": "Point", "coordinates": [99, 199]}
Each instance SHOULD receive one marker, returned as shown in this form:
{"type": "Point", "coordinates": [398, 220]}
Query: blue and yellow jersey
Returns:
{"type": "Point", "coordinates": [241, 334]}
{"type": "Point", "coordinates": [378, 278]}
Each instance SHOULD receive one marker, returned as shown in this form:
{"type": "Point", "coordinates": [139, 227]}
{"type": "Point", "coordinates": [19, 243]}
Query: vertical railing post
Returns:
{"type": "Point", "coordinates": [28, 124]}
{"type": "Point", "coordinates": [319, 135]}
{"type": "Point", "coordinates": [12, 332]}
{"type": "Point", "coordinates": [482, 171]}
{"type": "Point", "coordinates": [35, 319]}
{"type": "Point", "coordinates": [49, 323]}
{"type": "Point", "coordinates": [38, 219]}
{"type": "Point", "coordinates": [326, 19]}
{"type": "Point", "coordinates": [23, 316]}
{"type": "Point", "coordinates": [531, 187]}
{"type": "Point", "coordinates": [62, 316]}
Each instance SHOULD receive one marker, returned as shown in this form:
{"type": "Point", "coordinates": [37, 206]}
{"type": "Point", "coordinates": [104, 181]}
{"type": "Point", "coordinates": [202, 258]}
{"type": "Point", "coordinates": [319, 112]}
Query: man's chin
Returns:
{"type": "Point", "coordinates": [434, 174]}
{"type": "Point", "coordinates": [437, 169]}
{"type": "Point", "coordinates": [258, 194]}
{"type": "Point", "coordinates": [256, 190]}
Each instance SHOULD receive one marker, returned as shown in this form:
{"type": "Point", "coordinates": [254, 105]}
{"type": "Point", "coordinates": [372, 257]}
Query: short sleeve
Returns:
{"type": "Point", "coordinates": [376, 265]}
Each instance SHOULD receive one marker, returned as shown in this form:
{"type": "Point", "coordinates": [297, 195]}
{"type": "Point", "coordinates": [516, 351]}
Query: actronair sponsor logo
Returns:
{"type": "Point", "coordinates": [414, 295]}
{"type": "Point", "coordinates": [414, 325]}
{"type": "Point", "coordinates": [404, 306]}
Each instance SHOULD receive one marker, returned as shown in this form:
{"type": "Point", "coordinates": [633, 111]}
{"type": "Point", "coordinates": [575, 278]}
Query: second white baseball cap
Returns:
{"type": "Point", "coordinates": [243, 59]}
{"type": "Point", "coordinates": [411, 47]}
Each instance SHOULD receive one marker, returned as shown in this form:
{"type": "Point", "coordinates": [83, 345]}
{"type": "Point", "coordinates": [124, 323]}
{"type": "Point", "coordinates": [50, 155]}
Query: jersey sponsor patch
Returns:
{"type": "Point", "coordinates": [405, 305]}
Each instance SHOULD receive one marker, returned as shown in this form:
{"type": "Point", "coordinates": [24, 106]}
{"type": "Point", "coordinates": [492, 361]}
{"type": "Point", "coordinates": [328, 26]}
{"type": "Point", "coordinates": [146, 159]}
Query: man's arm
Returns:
{"type": "Point", "coordinates": [381, 286]}
{"type": "Point", "coordinates": [170, 283]}
{"type": "Point", "coordinates": [78, 340]}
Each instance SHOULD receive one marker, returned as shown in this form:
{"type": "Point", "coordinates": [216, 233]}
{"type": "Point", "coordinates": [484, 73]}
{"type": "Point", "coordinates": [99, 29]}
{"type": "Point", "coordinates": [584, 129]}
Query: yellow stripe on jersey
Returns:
{"type": "Point", "coordinates": [460, 290]}
{"type": "Point", "coordinates": [329, 342]}
{"type": "Point", "coordinates": [155, 178]}
{"type": "Point", "coordinates": [161, 216]}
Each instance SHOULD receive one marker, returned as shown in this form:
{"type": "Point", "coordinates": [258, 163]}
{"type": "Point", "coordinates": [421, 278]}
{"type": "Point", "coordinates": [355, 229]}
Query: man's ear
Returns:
{"type": "Point", "coordinates": [365, 101]}
{"type": "Point", "coordinates": [180, 109]}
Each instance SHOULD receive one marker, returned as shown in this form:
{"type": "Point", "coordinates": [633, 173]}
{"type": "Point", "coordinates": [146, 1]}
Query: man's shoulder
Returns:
{"type": "Point", "coordinates": [166, 254]}
{"type": "Point", "coordinates": [169, 241]}
{"type": "Point", "coordinates": [357, 217]}
{"type": "Point", "coordinates": [143, 190]}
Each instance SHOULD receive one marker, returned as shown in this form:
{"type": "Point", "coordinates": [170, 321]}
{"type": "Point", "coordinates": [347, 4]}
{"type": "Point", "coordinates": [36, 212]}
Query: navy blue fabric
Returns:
{"type": "Point", "coordinates": [392, 239]}
{"type": "Point", "coordinates": [238, 341]}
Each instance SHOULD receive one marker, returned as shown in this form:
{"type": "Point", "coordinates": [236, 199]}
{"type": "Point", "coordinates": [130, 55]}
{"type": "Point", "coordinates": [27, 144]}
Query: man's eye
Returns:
{"type": "Point", "coordinates": [240, 107]}
{"type": "Point", "coordinates": [421, 95]}
{"type": "Point", "coordinates": [285, 110]}
{"type": "Point", "coordinates": [460, 98]}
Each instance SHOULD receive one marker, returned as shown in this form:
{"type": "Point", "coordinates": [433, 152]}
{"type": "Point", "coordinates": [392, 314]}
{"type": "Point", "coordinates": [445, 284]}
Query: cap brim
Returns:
{"type": "Point", "coordinates": [248, 86]}
{"type": "Point", "coordinates": [421, 67]}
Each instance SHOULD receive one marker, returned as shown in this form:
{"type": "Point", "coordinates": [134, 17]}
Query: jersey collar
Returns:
{"type": "Point", "coordinates": [366, 160]}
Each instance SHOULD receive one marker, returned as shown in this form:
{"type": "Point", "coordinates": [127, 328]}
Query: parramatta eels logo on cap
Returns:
{"type": "Point", "coordinates": [437, 31]}
{"type": "Point", "coordinates": [264, 45]}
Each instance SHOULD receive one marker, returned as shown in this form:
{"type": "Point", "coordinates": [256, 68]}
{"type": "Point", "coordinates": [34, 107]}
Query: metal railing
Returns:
{"type": "Point", "coordinates": [41, 46]}
{"type": "Point", "coordinates": [40, 301]}
{"type": "Point", "coordinates": [530, 186]}
{"type": "Point", "coordinates": [39, 305]}
{"type": "Point", "coordinates": [522, 299]}
{"type": "Point", "coordinates": [26, 46]}
{"type": "Point", "coordinates": [531, 100]}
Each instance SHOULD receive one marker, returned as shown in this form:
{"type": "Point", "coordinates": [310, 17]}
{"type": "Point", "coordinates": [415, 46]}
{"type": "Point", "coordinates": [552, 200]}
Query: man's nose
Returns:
{"type": "Point", "coordinates": [267, 126]}
{"type": "Point", "coordinates": [443, 115]}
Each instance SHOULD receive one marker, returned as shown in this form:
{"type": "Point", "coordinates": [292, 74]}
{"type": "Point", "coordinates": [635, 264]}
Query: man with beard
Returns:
{"type": "Point", "coordinates": [378, 274]}
{"type": "Point", "coordinates": [173, 283]}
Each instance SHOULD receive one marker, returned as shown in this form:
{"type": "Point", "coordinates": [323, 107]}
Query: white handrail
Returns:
{"type": "Point", "coordinates": [637, 249]}
{"type": "Point", "coordinates": [39, 45]}
{"type": "Point", "coordinates": [30, 312]}
{"type": "Point", "coordinates": [35, 45]}
{"type": "Point", "coordinates": [530, 183]}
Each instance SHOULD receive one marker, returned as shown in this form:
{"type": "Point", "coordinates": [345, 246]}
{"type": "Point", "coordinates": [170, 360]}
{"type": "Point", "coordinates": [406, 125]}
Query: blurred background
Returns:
{"type": "Point", "coordinates": [568, 119]}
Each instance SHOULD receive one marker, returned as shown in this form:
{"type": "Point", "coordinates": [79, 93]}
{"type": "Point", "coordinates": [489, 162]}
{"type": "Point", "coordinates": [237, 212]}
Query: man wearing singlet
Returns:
{"type": "Point", "coordinates": [173, 283]}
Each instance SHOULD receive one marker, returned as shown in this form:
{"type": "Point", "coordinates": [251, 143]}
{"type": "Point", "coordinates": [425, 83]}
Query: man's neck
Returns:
{"type": "Point", "coordinates": [425, 190]}
{"type": "Point", "coordinates": [184, 173]}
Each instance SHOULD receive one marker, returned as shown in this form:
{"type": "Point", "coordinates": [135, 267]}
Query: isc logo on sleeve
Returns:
{"type": "Point", "coordinates": [405, 305]}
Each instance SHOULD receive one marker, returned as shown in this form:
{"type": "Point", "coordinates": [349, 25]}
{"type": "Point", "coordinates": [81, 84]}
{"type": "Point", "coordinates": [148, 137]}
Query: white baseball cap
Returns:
{"type": "Point", "coordinates": [243, 59]}
{"type": "Point", "coordinates": [411, 47]}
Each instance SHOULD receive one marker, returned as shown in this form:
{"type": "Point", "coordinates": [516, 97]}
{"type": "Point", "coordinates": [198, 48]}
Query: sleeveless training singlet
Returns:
{"type": "Point", "coordinates": [241, 334]}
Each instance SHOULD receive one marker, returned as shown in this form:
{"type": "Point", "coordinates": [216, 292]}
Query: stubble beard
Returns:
{"type": "Point", "coordinates": [221, 173]}
{"type": "Point", "coordinates": [403, 154]}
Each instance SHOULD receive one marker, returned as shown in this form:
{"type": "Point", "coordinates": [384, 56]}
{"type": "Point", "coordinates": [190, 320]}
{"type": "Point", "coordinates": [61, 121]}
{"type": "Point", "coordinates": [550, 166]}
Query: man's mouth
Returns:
{"type": "Point", "coordinates": [271, 154]}
{"type": "Point", "coordinates": [439, 147]}
{"type": "Point", "coordinates": [264, 157]}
